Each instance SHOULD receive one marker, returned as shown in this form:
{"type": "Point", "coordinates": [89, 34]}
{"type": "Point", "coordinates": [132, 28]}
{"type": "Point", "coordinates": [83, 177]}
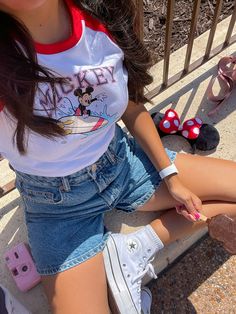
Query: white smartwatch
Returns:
{"type": "Point", "coordinates": [168, 171]}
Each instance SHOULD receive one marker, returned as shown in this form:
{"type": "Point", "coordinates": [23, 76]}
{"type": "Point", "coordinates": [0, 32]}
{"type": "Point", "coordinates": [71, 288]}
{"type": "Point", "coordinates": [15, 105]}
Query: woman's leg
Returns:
{"type": "Point", "coordinates": [171, 226]}
{"type": "Point", "coordinates": [128, 257]}
{"type": "Point", "coordinates": [81, 289]}
{"type": "Point", "coordinates": [212, 180]}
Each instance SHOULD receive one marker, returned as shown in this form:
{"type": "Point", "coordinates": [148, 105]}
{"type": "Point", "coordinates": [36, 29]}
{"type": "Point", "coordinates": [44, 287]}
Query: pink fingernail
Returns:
{"type": "Point", "coordinates": [191, 217]}
{"type": "Point", "coordinates": [197, 216]}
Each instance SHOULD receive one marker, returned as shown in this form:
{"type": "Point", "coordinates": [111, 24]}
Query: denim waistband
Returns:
{"type": "Point", "coordinates": [82, 175]}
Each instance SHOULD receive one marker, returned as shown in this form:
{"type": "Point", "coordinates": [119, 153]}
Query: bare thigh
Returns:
{"type": "Point", "coordinates": [81, 289]}
{"type": "Point", "coordinates": [209, 178]}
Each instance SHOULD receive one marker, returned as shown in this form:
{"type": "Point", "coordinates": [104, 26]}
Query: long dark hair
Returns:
{"type": "Point", "coordinates": [20, 73]}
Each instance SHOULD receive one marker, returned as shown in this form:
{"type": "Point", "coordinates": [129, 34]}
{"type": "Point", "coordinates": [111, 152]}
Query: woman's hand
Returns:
{"type": "Point", "coordinates": [188, 203]}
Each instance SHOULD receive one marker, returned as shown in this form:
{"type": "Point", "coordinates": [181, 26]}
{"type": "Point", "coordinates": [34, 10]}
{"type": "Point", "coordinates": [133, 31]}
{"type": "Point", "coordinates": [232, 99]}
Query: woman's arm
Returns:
{"type": "Point", "coordinates": [141, 126]}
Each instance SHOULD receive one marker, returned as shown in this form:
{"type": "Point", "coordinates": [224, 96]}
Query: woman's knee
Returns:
{"type": "Point", "coordinates": [209, 178]}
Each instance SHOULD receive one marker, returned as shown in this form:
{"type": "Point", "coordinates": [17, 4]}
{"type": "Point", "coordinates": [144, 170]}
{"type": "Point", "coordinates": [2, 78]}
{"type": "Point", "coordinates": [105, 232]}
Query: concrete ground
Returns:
{"type": "Point", "coordinates": [188, 97]}
{"type": "Point", "coordinates": [202, 281]}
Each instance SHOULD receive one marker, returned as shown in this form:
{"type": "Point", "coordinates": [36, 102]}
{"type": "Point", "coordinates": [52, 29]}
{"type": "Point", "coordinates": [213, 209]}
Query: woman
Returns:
{"type": "Point", "coordinates": [72, 167]}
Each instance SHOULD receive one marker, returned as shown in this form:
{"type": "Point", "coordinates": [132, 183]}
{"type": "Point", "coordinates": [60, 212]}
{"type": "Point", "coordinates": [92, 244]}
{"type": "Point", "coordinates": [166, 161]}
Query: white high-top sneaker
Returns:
{"type": "Point", "coordinates": [127, 258]}
{"type": "Point", "coordinates": [9, 305]}
{"type": "Point", "coordinates": [146, 300]}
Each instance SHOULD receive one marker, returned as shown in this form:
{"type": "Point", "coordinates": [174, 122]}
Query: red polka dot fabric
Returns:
{"type": "Point", "coordinates": [170, 124]}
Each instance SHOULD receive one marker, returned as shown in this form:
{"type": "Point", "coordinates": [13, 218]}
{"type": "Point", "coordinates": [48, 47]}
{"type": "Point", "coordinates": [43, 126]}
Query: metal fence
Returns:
{"type": "Point", "coordinates": [206, 55]}
{"type": "Point", "coordinates": [187, 68]}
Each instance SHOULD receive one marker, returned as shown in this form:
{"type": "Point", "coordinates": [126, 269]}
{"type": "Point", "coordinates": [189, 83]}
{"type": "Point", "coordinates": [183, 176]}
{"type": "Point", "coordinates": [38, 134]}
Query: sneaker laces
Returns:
{"type": "Point", "coordinates": [149, 269]}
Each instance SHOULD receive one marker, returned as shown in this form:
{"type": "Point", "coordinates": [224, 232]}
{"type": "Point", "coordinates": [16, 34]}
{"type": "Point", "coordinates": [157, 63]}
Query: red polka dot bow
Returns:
{"type": "Point", "coordinates": [170, 124]}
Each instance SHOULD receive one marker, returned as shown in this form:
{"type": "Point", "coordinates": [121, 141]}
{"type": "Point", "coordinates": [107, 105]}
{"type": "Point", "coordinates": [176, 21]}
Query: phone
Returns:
{"type": "Point", "coordinates": [21, 265]}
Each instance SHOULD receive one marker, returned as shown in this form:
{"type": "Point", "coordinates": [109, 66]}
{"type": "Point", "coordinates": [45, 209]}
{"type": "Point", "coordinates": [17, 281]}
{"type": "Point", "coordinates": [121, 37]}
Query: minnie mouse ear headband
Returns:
{"type": "Point", "coordinates": [200, 135]}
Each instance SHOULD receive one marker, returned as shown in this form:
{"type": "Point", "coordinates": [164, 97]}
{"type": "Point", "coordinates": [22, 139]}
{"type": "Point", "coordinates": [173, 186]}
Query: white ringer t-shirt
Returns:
{"type": "Point", "coordinates": [88, 106]}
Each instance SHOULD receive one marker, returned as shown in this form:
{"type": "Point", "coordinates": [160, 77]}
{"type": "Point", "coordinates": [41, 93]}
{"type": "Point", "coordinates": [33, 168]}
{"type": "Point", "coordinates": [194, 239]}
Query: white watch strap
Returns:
{"type": "Point", "coordinates": [168, 171]}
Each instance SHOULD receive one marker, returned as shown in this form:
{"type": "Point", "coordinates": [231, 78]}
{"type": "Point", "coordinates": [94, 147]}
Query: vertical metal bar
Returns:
{"type": "Point", "coordinates": [169, 25]}
{"type": "Point", "coordinates": [230, 28]}
{"type": "Point", "coordinates": [138, 21]}
{"type": "Point", "coordinates": [195, 14]}
{"type": "Point", "coordinates": [213, 29]}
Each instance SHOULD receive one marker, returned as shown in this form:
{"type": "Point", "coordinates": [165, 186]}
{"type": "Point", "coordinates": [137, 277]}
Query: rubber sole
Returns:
{"type": "Point", "coordinates": [116, 281]}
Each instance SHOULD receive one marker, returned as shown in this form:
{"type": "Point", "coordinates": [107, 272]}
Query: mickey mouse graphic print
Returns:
{"type": "Point", "coordinates": [88, 104]}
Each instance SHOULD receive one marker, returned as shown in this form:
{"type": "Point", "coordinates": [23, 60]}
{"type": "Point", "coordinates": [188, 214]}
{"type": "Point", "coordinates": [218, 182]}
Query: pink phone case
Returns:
{"type": "Point", "coordinates": [19, 261]}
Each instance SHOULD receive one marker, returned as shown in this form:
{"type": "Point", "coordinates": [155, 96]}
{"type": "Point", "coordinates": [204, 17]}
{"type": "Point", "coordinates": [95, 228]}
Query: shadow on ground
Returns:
{"type": "Point", "coordinates": [197, 96]}
{"type": "Point", "coordinates": [173, 287]}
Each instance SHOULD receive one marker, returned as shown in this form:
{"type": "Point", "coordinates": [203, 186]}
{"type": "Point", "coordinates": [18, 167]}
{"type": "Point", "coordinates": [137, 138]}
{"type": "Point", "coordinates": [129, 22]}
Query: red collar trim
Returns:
{"type": "Point", "coordinates": [76, 18]}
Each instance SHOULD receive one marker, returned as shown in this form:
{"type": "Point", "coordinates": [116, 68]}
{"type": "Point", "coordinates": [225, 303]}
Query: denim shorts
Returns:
{"type": "Point", "coordinates": [65, 215]}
